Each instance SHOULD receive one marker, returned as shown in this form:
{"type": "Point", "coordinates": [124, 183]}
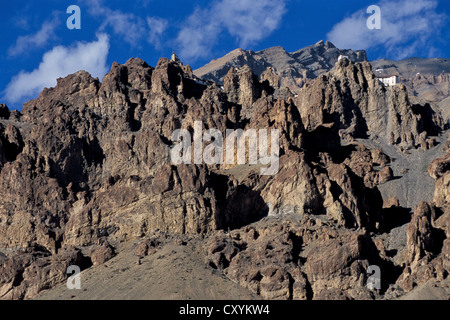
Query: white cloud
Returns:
{"type": "Point", "coordinates": [198, 35]}
{"type": "Point", "coordinates": [129, 27]}
{"type": "Point", "coordinates": [59, 62]}
{"type": "Point", "coordinates": [21, 22]}
{"type": "Point", "coordinates": [250, 20]}
{"type": "Point", "coordinates": [157, 27]}
{"type": "Point", "coordinates": [247, 20]}
{"type": "Point", "coordinates": [407, 27]}
{"type": "Point", "coordinates": [125, 25]}
{"type": "Point", "coordinates": [36, 40]}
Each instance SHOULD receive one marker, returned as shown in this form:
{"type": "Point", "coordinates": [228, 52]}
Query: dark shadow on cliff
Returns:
{"type": "Point", "coordinates": [192, 89]}
{"type": "Point", "coordinates": [428, 119]}
{"type": "Point", "coordinates": [75, 163]}
{"type": "Point", "coordinates": [389, 271]}
{"type": "Point", "coordinates": [237, 205]}
{"type": "Point", "coordinates": [395, 217]}
{"type": "Point", "coordinates": [324, 138]}
{"type": "Point", "coordinates": [12, 145]}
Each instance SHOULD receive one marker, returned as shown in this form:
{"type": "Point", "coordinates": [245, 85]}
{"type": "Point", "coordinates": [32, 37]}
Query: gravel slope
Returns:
{"type": "Point", "coordinates": [173, 272]}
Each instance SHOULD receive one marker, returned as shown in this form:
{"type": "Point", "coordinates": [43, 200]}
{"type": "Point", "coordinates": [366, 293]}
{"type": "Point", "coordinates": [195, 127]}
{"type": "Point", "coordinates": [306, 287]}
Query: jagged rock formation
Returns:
{"type": "Point", "coordinates": [427, 80]}
{"type": "Point", "coordinates": [87, 165]}
{"type": "Point", "coordinates": [408, 68]}
{"type": "Point", "coordinates": [428, 246]}
{"type": "Point", "coordinates": [27, 273]}
{"type": "Point", "coordinates": [357, 103]}
{"type": "Point", "coordinates": [306, 259]}
{"type": "Point", "coordinates": [293, 68]}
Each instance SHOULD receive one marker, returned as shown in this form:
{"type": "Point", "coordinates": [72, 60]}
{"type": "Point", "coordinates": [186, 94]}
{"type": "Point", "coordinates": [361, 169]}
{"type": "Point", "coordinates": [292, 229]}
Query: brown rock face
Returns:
{"type": "Point", "coordinates": [11, 143]}
{"type": "Point", "coordinates": [101, 252]}
{"type": "Point", "coordinates": [242, 87]}
{"type": "Point", "coordinates": [353, 99]}
{"type": "Point", "coordinates": [87, 165]}
{"type": "Point", "coordinates": [420, 232]}
{"type": "Point", "coordinates": [433, 89]}
{"type": "Point", "coordinates": [27, 273]}
{"type": "Point", "coordinates": [265, 263]}
{"type": "Point", "coordinates": [292, 260]}
{"type": "Point", "coordinates": [428, 234]}
{"type": "Point", "coordinates": [294, 68]}
{"type": "Point", "coordinates": [440, 170]}
{"type": "Point", "coordinates": [428, 248]}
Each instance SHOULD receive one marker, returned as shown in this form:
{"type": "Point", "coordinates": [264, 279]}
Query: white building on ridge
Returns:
{"type": "Point", "coordinates": [389, 81]}
{"type": "Point", "coordinates": [343, 57]}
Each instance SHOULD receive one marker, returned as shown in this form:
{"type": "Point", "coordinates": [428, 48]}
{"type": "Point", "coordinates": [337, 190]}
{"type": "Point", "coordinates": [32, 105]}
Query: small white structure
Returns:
{"type": "Point", "coordinates": [343, 57]}
{"type": "Point", "coordinates": [389, 81]}
{"type": "Point", "coordinates": [174, 58]}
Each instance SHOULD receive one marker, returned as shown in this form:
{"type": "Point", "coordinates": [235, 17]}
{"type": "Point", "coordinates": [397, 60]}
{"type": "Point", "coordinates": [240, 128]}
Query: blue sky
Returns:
{"type": "Point", "coordinates": [37, 47]}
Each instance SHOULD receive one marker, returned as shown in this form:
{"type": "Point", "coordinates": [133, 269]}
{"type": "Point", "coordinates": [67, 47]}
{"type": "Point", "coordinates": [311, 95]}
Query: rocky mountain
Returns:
{"type": "Point", "coordinates": [427, 80]}
{"type": "Point", "coordinates": [86, 174]}
{"type": "Point", "coordinates": [409, 68]}
{"type": "Point", "coordinates": [294, 68]}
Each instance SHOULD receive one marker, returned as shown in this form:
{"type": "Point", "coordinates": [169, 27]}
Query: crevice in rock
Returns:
{"type": "Point", "coordinates": [297, 243]}
{"type": "Point", "coordinates": [135, 124]}
{"type": "Point", "coordinates": [291, 287]}
{"type": "Point", "coordinates": [237, 205]}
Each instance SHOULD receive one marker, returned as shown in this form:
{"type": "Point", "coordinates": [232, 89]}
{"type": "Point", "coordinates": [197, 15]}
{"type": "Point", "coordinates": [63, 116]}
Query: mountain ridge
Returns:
{"type": "Point", "coordinates": [427, 79]}
{"type": "Point", "coordinates": [85, 169]}
{"type": "Point", "coordinates": [299, 64]}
